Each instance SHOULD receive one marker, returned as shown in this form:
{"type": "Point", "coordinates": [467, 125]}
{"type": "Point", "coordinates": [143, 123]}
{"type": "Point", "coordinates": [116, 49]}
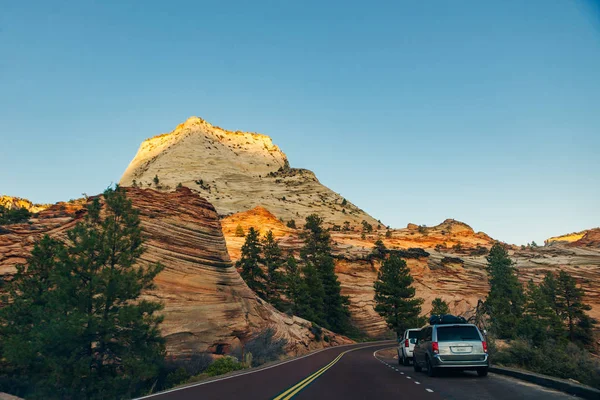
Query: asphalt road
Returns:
{"type": "Point", "coordinates": [363, 371]}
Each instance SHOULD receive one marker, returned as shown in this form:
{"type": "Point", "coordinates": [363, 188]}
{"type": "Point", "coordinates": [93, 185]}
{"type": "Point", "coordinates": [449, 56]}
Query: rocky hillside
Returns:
{"type": "Point", "coordinates": [587, 238]}
{"type": "Point", "coordinates": [207, 304]}
{"type": "Point", "coordinates": [236, 171]}
{"type": "Point", "coordinates": [452, 265]}
{"type": "Point", "coordinates": [17, 202]}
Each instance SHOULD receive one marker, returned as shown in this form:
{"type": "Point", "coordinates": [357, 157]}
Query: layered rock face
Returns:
{"type": "Point", "coordinates": [207, 305]}
{"type": "Point", "coordinates": [235, 171]}
{"type": "Point", "coordinates": [454, 273]}
{"type": "Point", "coordinates": [587, 238]}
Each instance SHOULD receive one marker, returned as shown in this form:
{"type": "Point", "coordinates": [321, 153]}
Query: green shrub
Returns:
{"type": "Point", "coordinates": [13, 216]}
{"type": "Point", "coordinates": [224, 365]}
{"type": "Point", "coordinates": [552, 358]}
{"type": "Point", "coordinates": [239, 231]}
{"type": "Point", "coordinates": [317, 331]}
{"type": "Point", "coordinates": [264, 348]}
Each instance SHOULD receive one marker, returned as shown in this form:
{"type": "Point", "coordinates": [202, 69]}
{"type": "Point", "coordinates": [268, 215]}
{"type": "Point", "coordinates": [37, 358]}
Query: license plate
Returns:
{"type": "Point", "coordinates": [462, 349]}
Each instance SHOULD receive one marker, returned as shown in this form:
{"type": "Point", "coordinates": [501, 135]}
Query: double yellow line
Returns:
{"type": "Point", "coordinates": [291, 392]}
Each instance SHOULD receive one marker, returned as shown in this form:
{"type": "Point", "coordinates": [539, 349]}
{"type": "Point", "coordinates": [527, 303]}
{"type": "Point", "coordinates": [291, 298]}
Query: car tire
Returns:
{"type": "Point", "coordinates": [431, 371]}
{"type": "Point", "coordinates": [416, 365]}
{"type": "Point", "coordinates": [405, 361]}
{"type": "Point", "coordinates": [482, 372]}
{"type": "Point", "coordinates": [399, 359]}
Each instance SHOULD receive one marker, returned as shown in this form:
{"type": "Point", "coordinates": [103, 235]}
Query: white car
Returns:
{"type": "Point", "coordinates": [406, 346]}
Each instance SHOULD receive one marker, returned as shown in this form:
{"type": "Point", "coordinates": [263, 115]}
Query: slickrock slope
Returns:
{"type": "Point", "coordinates": [207, 304]}
{"type": "Point", "coordinates": [235, 171]}
{"type": "Point", "coordinates": [17, 202]}
{"type": "Point", "coordinates": [454, 273]}
{"type": "Point", "coordinates": [587, 238]}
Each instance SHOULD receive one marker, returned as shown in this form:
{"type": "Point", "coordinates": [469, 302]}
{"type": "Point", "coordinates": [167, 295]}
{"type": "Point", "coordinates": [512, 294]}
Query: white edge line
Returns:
{"type": "Point", "coordinates": [257, 370]}
{"type": "Point", "coordinates": [429, 390]}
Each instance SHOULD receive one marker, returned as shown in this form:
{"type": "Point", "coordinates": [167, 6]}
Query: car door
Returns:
{"type": "Point", "coordinates": [421, 346]}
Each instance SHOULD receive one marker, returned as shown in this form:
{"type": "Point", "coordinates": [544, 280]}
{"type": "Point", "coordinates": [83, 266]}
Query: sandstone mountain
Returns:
{"type": "Point", "coordinates": [236, 171]}
{"type": "Point", "coordinates": [451, 264]}
{"type": "Point", "coordinates": [17, 202]}
{"type": "Point", "coordinates": [207, 304]}
{"type": "Point", "coordinates": [587, 238]}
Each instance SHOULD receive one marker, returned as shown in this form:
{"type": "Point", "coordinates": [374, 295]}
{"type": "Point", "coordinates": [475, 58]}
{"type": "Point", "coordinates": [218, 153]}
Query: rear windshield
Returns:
{"type": "Point", "coordinates": [457, 333]}
{"type": "Point", "coordinates": [413, 334]}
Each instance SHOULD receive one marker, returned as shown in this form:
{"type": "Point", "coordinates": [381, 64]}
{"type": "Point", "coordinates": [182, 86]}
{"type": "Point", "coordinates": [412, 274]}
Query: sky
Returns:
{"type": "Point", "coordinates": [485, 112]}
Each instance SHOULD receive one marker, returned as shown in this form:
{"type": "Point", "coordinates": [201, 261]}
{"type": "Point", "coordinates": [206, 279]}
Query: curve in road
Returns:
{"type": "Point", "coordinates": [361, 371]}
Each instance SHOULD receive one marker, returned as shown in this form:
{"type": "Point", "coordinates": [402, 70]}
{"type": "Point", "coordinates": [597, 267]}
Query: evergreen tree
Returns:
{"type": "Point", "coordinates": [506, 299]}
{"type": "Point", "coordinates": [388, 234]}
{"type": "Point", "coordinates": [250, 264]}
{"type": "Point", "coordinates": [296, 290]}
{"type": "Point", "coordinates": [156, 180]}
{"type": "Point", "coordinates": [573, 309]}
{"type": "Point", "coordinates": [395, 297]}
{"type": "Point", "coordinates": [273, 261]}
{"type": "Point", "coordinates": [379, 250]}
{"type": "Point", "coordinates": [13, 216]}
{"type": "Point", "coordinates": [75, 327]}
{"type": "Point", "coordinates": [540, 322]}
{"type": "Point", "coordinates": [314, 306]}
{"type": "Point", "coordinates": [319, 266]}
{"type": "Point", "coordinates": [549, 289]}
{"type": "Point", "coordinates": [291, 224]}
{"type": "Point", "coordinates": [239, 231]}
{"type": "Point", "coordinates": [439, 307]}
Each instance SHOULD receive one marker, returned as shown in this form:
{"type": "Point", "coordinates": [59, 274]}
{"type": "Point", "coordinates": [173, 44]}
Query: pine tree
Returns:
{"type": "Point", "coordinates": [395, 297]}
{"type": "Point", "coordinates": [506, 299]}
{"type": "Point", "coordinates": [439, 307]}
{"type": "Point", "coordinates": [379, 250]}
{"type": "Point", "coordinates": [539, 322]}
{"type": "Point", "coordinates": [75, 326]}
{"type": "Point", "coordinates": [295, 291]}
{"type": "Point", "coordinates": [573, 309]}
{"type": "Point", "coordinates": [273, 261]}
{"type": "Point", "coordinates": [319, 266]}
{"type": "Point", "coordinates": [250, 264]}
{"type": "Point", "coordinates": [239, 231]}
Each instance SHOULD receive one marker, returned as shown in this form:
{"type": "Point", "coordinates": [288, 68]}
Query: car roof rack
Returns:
{"type": "Point", "coordinates": [446, 319]}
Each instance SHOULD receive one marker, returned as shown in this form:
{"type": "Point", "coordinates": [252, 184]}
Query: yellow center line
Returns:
{"type": "Point", "coordinates": [291, 392]}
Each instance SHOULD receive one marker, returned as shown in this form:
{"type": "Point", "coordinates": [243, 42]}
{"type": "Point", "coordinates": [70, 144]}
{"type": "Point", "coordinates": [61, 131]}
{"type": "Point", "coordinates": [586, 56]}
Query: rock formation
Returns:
{"type": "Point", "coordinates": [207, 304]}
{"type": "Point", "coordinates": [451, 267]}
{"type": "Point", "coordinates": [236, 171]}
{"type": "Point", "coordinates": [587, 238]}
{"type": "Point", "coordinates": [17, 202]}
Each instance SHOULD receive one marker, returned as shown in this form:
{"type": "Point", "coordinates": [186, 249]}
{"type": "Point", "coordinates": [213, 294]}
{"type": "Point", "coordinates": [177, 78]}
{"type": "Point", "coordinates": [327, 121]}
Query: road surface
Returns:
{"type": "Point", "coordinates": [362, 371]}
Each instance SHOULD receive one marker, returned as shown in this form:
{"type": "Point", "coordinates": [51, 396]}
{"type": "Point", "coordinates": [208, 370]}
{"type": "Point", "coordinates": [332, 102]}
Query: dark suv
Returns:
{"type": "Point", "coordinates": [449, 342]}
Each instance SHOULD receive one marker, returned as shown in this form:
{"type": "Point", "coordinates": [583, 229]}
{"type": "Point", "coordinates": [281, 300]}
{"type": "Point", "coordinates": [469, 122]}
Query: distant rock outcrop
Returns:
{"type": "Point", "coordinates": [17, 202]}
{"type": "Point", "coordinates": [236, 171]}
{"type": "Point", "coordinates": [587, 238]}
{"type": "Point", "coordinates": [207, 304]}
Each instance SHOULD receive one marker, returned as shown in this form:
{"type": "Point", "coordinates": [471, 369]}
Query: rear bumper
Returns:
{"type": "Point", "coordinates": [439, 362]}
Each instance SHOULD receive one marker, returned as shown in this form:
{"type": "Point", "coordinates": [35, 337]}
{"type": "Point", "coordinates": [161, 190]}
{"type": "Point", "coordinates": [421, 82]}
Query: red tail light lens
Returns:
{"type": "Point", "coordinates": [406, 343]}
{"type": "Point", "coordinates": [484, 346]}
{"type": "Point", "coordinates": [435, 347]}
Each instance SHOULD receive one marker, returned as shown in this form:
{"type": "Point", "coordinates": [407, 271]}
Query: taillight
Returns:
{"type": "Point", "coordinates": [484, 346]}
{"type": "Point", "coordinates": [435, 347]}
{"type": "Point", "coordinates": [406, 342]}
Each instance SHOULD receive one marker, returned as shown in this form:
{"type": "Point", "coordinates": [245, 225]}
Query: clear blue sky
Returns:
{"type": "Point", "coordinates": [483, 111]}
